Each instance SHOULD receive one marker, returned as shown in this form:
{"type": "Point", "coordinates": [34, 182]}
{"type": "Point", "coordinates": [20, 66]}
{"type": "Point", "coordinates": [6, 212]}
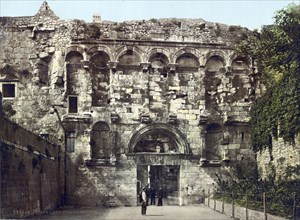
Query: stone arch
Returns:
{"type": "Point", "coordinates": [214, 63]}
{"type": "Point", "coordinates": [100, 77]}
{"type": "Point", "coordinates": [78, 49]}
{"type": "Point", "coordinates": [100, 59]}
{"type": "Point", "coordinates": [240, 62]}
{"type": "Point", "coordinates": [91, 51]}
{"type": "Point", "coordinates": [191, 51]}
{"type": "Point", "coordinates": [187, 60]}
{"type": "Point", "coordinates": [158, 60]}
{"type": "Point", "coordinates": [216, 53]}
{"type": "Point", "coordinates": [174, 135]}
{"type": "Point", "coordinates": [129, 57]}
{"type": "Point", "coordinates": [162, 51]}
{"type": "Point", "coordinates": [74, 57]}
{"type": "Point", "coordinates": [159, 63]}
{"type": "Point", "coordinates": [101, 141]}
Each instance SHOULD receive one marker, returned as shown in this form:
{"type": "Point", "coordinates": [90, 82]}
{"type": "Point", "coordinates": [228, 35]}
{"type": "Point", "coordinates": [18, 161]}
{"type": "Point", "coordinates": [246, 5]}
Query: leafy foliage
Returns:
{"type": "Point", "coordinates": [276, 49]}
{"type": "Point", "coordinates": [248, 191]}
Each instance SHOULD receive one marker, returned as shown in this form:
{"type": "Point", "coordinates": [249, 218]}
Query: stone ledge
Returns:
{"type": "Point", "coordinates": [100, 162]}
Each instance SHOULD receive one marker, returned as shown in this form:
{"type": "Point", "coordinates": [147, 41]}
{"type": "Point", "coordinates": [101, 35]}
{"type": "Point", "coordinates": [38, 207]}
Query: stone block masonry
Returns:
{"type": "Point", "coordinates": [136, 103]}
{"type": "Point", "coordinates": [30, 172]}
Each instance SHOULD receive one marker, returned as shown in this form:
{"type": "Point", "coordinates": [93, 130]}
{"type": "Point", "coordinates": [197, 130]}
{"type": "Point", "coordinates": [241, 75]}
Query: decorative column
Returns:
{"type": "Point", "coordinates": [202, 123]}
{"type": "Point", "coordinates": [146, 69]}
{"type": "Point", "coordinates": [86, 64]}
{"type": "Point", "coordinates": [172, 67]}
{"type": "Point", "coordinates": [113, 79]}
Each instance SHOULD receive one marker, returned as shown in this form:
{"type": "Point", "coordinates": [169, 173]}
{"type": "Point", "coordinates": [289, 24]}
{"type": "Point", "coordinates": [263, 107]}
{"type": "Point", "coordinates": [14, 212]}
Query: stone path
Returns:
{"type": "Point", "coordinates": [134, 213]}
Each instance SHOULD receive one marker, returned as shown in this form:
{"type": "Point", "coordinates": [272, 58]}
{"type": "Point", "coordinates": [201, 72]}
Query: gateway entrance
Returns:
{"type": "Point", "coordinates": [165, 177]}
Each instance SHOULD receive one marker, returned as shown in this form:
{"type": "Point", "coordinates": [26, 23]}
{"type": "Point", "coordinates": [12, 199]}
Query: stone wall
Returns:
{"type": "Point", "coordinates": [159, 92]}
{"type": "Point", "coordinates": [275, 161]}
{"type": "Point", "coordinates": [31, 174]}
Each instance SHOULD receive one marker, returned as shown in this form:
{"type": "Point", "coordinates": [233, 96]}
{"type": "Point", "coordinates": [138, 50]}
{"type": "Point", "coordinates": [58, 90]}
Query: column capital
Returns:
{"type": "Point", "coordinates": [113, 65]}
{"type": "Point", "coordinates": [145, 66]}
{"type": "Point", "coordinates": [172, 67]}
{"type": "Point", "coordinates": [86, 64]}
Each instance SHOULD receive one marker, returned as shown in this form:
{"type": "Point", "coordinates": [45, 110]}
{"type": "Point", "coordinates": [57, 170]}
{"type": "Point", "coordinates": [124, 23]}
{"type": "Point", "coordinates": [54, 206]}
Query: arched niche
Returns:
{"type": "Point", "coordinates": [240, 64]}
{"type": "Point", "coordinates": [158, 138]}
{"type": "Point", "coordinates": [74, 57]}
{"type": "Point", "coordinates": [159, 63]}
{"type": "Point", "coordinates": [100, 59]}
{"type": "Point", "coordinates": [158, 60]}
{"type": "Point", "coordinates": [187, 60]}
{"type": "Point", "coordinates": [101, 141]}
{"type": "Point", "coordinates": [214, 64]}
{"type": "Point", "coordinates": [213, 139]}
{"type": "Point", "coordinates": [100, 78]}
{"type": "Point", "coordinates": [129, 58]}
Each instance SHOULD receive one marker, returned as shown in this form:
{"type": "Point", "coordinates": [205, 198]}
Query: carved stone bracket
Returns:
{"type": "Point", "coordinates": [145, 66]}
{"type": "Point", "coordinates": [228, 69]}
{"type": "Point", "coordinates": [202, 119]}
{"type": "Point", "coordinates": [172, 67]}
{"type": "Point", "coordinates": [172, 119]}
{"type": "Point", "coordinates": [113, 65]}
{"type": "Point", "coordinates": [114, 117]}
{"type": "Point", "coordinates": [85, 64]}
{"type": "Point", "coordinates": [145, 118]}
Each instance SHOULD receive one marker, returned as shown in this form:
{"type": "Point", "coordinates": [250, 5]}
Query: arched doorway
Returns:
{"type": "Point", "coordinates": [158, 150]}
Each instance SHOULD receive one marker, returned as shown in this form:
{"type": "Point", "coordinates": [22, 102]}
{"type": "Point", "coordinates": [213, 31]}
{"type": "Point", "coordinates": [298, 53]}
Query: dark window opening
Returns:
{"type": "Point", "coordinates": [8, 90]}
{"type": "Point", "coordinates": [243, 136]}
{"type": "Point", "coordinates": [70, 141]}
{"type": "Point", "coordinates": [129, 110]}
{"type": "Point", "coordinates": [73, 104]}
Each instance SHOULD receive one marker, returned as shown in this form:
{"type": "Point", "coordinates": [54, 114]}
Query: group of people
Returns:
{"type": "Point", "coordinates": [150, 193]}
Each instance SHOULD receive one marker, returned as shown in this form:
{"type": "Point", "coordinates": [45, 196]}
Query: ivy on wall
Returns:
{"type": "Point", "coordinates": [276, 50]}
{"type": "Point", "coordinates": [277, 113]}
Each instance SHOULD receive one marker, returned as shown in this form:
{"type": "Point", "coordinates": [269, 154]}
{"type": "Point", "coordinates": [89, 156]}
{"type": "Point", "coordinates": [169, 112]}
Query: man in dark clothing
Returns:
{"type": "Point", "coordinates": [160, 196]}
{"type": "Point", "coordinates": [144, 198]}
{"type": "Point", "coordinates": [152, 196]}
{"type": "Point", "coordinates": [148, 195]}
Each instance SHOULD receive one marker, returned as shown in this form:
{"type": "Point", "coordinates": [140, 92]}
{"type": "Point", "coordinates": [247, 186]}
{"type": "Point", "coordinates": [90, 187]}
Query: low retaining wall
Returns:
{"type": "Point", "coordinates": [239, 212]}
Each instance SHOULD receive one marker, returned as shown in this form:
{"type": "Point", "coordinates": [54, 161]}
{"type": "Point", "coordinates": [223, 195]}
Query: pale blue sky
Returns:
{"type": "Point", "coordinates": [246, 13]}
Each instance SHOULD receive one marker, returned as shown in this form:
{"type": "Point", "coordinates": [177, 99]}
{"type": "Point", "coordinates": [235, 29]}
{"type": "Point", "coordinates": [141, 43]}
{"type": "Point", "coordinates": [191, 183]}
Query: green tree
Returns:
{"type": "Point", "coordinates": [276, 50]}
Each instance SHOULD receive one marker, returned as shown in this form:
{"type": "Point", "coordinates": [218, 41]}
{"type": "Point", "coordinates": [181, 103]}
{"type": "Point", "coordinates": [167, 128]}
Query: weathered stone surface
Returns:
{"type": "Point", "coordinates": [143, 72]}
{"type": "Point", "coordinates": [281, 156]}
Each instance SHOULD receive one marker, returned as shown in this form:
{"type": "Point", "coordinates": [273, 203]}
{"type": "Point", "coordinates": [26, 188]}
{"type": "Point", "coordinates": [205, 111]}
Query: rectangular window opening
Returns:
{"type": "Point", "coordinates": [243, 136]}
{"type": "Point", "coordinates": [73, 104]}
{"type": "Point", "coordinates": [8, 90]}
{"type": "Point", "coordinates": [70, 141]}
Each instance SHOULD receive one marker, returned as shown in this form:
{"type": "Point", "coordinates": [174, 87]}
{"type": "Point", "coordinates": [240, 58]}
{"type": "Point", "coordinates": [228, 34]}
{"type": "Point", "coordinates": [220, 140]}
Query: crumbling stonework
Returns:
{"type": "Point", "coordinates": [135, 99]}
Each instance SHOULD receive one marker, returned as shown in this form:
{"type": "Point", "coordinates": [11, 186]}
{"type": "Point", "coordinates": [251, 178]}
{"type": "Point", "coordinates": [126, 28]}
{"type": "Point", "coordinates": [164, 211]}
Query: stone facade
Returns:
{"type": "Point", "coordinates": [160, 102]}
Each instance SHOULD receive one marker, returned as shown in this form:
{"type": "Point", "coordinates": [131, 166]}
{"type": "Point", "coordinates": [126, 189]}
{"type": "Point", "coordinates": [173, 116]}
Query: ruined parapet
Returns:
{"type": "Point", "coordinates": [46, 13]}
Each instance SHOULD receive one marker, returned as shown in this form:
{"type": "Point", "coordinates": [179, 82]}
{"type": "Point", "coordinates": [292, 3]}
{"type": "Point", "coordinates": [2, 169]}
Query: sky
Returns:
{"type": "Point", "coordinates": [252, 14]}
